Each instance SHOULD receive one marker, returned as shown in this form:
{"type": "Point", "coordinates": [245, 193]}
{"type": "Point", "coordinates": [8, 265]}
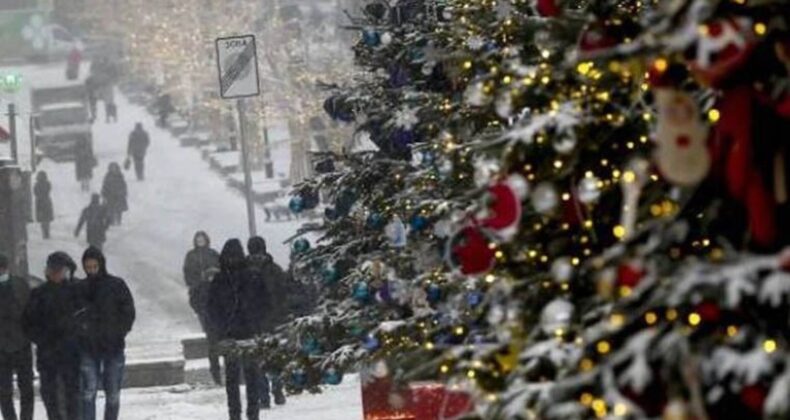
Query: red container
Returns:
{"type": "Point", "coordinates": [419, 401]}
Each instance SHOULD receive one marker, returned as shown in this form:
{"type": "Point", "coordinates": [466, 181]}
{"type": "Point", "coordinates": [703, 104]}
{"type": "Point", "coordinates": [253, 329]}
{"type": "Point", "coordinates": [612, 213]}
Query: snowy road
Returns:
{"type": "Point", "coordinates": [179, 196]}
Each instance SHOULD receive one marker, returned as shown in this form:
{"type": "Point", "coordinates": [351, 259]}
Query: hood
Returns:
{"type": "Point", "coordinates": [202, 234]}
{"type": "Point", "coordinates": [93, 253]}
{"type": "Point", "coordinates": [59, 259]}
{"type": "Point", "coordinates": [232, 256]}
{"type": "Point", "coordinates": [256, 246]}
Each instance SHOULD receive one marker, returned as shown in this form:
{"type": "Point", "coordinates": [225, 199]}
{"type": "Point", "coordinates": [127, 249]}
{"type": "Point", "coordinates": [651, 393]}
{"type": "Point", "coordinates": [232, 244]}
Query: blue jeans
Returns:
{"type": "Point", "coordinates": [276, 388]}
{"type": "Point", "coordinates": [109, 369]}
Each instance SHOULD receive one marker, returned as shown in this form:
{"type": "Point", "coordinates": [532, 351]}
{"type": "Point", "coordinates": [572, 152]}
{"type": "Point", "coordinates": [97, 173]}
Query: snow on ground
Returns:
{"type": "Point", "coordinates": [342, 402]}
{"type": "Point", "coordinates": [179, 196]}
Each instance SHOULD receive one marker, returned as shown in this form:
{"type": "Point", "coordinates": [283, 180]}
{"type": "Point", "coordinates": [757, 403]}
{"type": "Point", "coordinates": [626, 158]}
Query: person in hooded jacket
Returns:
{"type": "Point", "coordinates": [114, 192]}
{"type": "Point", "coordinates": [237, 314]}
{"type": "Point", "coordinates": [44, 212]}
{"type": "Point", "coordinates": [16, 355]}
{"type": "Point", "coordinates": [96, 220]}
{"type": "Point", "coordinates": [50, 320]}
{"type": "Point", "coordinates": [200, 266]}
{"type": "Point", "coordinates": [262, 266]}
{"type": "Point", "coordinates": [84, 164]}
{"type": "Point", "coordinates": [109, 314]}
{"type": "Point", "coordinates": [137, 149]}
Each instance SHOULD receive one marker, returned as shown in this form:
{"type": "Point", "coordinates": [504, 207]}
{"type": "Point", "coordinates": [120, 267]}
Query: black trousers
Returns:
{"type": "Point", "coordinates": [60, 389]}
{"type": "Point", "coordinates": [139, 168]}
{"type": "Point", "coordinates": [19, 363]}
{"type": "Point", "coordinates": [234, 365]}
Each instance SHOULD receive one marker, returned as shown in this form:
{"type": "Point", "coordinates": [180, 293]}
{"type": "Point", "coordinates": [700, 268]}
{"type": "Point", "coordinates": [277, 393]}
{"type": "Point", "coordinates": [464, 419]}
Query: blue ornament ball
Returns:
{"type": "Point", "coordinates": [296, 204]}
{"type": "Point", "coordinates": [418, 223]}
{"type": "Point", "coordinates": [310, 346]}
{"type": "Point", "coordinates": [428, 158]}
{"type": "Point", "coordinates": [375, 221]}
{"type": "Point", "coordinates": [361, 292]}
{"type": "Point", "coordinates": [330, 214]}
{"type": "Point", "coordinates": [301, 246]}
{"type": "Point", "coordinates": [474, 298]}
{"type": "Point", "coordinates": [333, 377]}
{"type": "Point", "coordinates": [299, 378]}
{"type": "Point", "coordinates": [371, 343]}
{"type": "Point", "coordinates": [371, 38]}
{"type": "Point", "coordinates": [330, 274]}
{"type": "Point", "coordinates": [434, 293]}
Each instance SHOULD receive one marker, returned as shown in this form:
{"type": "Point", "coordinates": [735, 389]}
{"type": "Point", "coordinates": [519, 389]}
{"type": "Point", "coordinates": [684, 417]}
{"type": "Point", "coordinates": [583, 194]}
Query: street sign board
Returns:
{"type": "Point", "coordinates": [237, 63]}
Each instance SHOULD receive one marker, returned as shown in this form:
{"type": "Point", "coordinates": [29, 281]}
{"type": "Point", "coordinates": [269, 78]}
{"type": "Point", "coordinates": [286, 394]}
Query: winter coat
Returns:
{"type": "Point", "coordinates": [275, 298]}
{"type": "Point", "coordinates": [200, 266]}
{"type": "Point", "coordinates": [50, 320]}
{"type": "Point", "coordinates": [107, 311]}
{"type": "Point", "coordinates": [114, 191]}
{"type": "Point", "coordinates": [138, 144]}
{"type": "Point", "coordinates": [41, 191]}
{"type": "Point", "coordinates": [234, 304]}
{"type": "Point", "coordinates": [96, 220]}
{"type": "Point", "coordinates": [14, 295]}
{"type": "Point", "coordinates": [84, 165]}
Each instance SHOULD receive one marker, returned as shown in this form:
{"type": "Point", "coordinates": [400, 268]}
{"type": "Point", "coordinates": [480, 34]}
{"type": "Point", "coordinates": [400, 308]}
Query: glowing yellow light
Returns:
{"type": "Point", "coordinates": [599, 406]}
{"type": "Point", "coordinates": [625, 291]}
{"type": "Point", "coordinates": [620, 409]}
{"type": "Point", "coordinates": [467, 65]}
{"type": "Point", "coordinates": [769, 346]}
{"type": "Point", "coordinates": [603, 347]}
{"type": "Point", "coordinates": [732, 331]}
{"type": "Point", "coordinates": [470, 374]}
{"type": "Point", "coordinates": [760, 28]}
{"type": "Point", "coordinates": [586, 364]}
{"type": "Point", "coordinates": [575, 260]}
{"type": "Point", "coordinates": [584, 68]}
{"type": "Point", "coordinates": [459, 330]}
{"type": "Point", "coordinates": [661, 64]}
{"type": "Point", "coordinates": [490, 278]}
{"type": "Point", "coordinates": [545, 80]}
{"type": "Point", "coordinates": [559, 332]}
{"type": "Point", "coordinates": [499, 255]}
{"type": "Point", "coordinates": [651, 318]}
{"type": "Point", "coordinates": [558, 164]}
{"type": "Point", "coordinates": [506, 80]}
{"type": "Point", "coordinates": [445, 368]}
{"type": "Point", "coordinates": [671, 314]}
{"type": "Point", "coordinates": [429, 345]}
{"type": "Point", "coordinates": [694, 319]}
{"type": "Point", "coordinates": [586, 398]}
{"type": "Point", "coordinates": [619, 231]}
{"type": "Point", "coordinates": [629, 176]}
{"type": "Point", "coordinates": [617, 320]}
{"type": "Point", "coordinates": [545, 54]}
{"type": "Point", "coordinates": [714, 115]}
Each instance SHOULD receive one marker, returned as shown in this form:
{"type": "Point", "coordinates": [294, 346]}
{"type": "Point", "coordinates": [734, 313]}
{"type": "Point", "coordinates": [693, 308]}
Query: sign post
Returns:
{"type": "Point", "coordinates": [237, 64]}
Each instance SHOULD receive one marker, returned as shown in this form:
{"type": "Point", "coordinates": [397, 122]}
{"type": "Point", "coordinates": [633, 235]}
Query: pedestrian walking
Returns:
{"type": "Point", "coordinates": [111, 112]}
{"type": "Point", "coordinates": [164, 105]}
{"type": "Point", "coordinates": [114, 192]}
{"type": "Point", "coordinates": [91, 87]}
{"type": "Point", "coordinates": [96, 221]}
{"type": "Point", "coordinates": [108, 317]}
{"type": "Point", "coordinates": [84, 164]}
{"type": "Point", "coordinates": [16, 354]}
{"type": "Point", "coordinates": [138, 147]}
{"type": "Point", "coordinates": [261, 266]}
{"type": "Point", "coordinates": [237, 315]}
{"type": "Point", "coordinates": [42, 191]}
{"type": "Point", "coordinates": [50, 320]}
{"type": "Point", "coordinates": [200, 266]}
{"type": "Point", "coordinates": [73, 62]}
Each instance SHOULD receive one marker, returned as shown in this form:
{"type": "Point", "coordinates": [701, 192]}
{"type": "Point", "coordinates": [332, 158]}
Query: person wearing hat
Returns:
{"type": "Point", "coordinates": [108, 317]}
{"type": "Point", "coordinates": [50, 321]}
{"type": "Point", "coordinates": [16, 354]}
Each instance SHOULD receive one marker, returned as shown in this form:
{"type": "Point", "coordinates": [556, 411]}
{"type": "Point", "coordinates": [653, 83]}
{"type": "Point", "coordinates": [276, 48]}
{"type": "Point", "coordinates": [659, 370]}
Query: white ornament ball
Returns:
{"type": "Point", "coordinates": [588, 190]}
{"type": "Point", "coordinates": [562, 270]}
{"type": "Point", "coordinates": [545, 198]}
{"type": "Point", "coordinates": [386, 38]}
{"type": "Point", "coordinates": [556, 316]}
{"type": "Point", "coordinates": [565, 145]}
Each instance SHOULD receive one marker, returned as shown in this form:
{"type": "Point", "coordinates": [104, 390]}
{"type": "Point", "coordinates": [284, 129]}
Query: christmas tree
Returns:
{"type": "Point", "coordinates": [552, 203]}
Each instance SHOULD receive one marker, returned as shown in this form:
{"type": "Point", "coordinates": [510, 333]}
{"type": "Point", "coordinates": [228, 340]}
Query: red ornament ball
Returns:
{"type": "Point", "coordinates": [630, 274]}
{"type": "Point", "coordinates": [548, 8]}
{"type": "Point", "coordinates": [753, 396]}
{"type": "Point", "coordinates": [708, 311]}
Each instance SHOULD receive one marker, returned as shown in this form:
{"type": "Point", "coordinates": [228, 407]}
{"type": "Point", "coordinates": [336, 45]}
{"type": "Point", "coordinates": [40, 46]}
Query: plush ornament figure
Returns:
{"type": "Point", "coordinates": [469, 252]}
{"type": "Point", "coordinates": [724, 46]}
{"type": "Point", "coordinates": [596, 37]}
{"type": "Point", "coordinates": [556, 317]}
{"type": "Point", "coordinates": [681, 138]}
{"type": "Point", "coordinates": [503, 214]}
{"type": "Point", "coordinates": [676, 410]}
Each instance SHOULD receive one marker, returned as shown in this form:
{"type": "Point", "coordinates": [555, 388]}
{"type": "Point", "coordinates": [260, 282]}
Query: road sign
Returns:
{"type": "Point", "coordinates": [237, 62]}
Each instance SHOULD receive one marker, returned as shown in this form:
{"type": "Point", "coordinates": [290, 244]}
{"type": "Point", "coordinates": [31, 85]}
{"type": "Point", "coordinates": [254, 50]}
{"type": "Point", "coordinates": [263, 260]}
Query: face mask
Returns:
{"type": "Point", "coordinates": [4, 277]}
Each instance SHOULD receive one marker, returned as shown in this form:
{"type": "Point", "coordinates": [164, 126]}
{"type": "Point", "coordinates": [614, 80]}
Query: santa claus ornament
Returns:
{"type": "Point", "coordinates": [681, 152]}
{"type": "Point", "coordinates": [503, 212]}
{"type": "Point", "coordinates": [723, 46]}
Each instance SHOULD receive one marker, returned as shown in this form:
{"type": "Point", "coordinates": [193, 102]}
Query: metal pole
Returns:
{"type": "Point", "coordinates": [245, 161]}
{"type": "Point", "coordinates": [12, 132]}
{"type": "Point", "coordinates": [31, 128]}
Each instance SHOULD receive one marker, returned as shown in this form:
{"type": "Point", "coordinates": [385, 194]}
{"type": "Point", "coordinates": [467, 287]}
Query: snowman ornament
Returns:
{"type": "Point", "coordinates": [681, 153]}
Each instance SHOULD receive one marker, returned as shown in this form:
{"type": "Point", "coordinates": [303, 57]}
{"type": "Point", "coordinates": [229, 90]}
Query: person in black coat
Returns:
{"type": "Point", "coordinates": [262, 266]}
{"type": "Point", "coordinates": [50, 321]}
{"type": "Point", "coordinates": [96, 220]}
{"type": "Point", "coordinates": [44, 211]}
{"type": "Point", "coordinates": [108, 316]}
{"type": "Point", "coordinates": [237, 314]}
{"type": "Point", "coordinates": [83, 165]}
{"type": "Point", "coordinates": [200, 266]}
{"type": "Point", "coordinates": [114, 192]}
{"type": "Point", "coordinates": [16, 354]}
{"type": "Point", "coordinates": [138, 147]}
